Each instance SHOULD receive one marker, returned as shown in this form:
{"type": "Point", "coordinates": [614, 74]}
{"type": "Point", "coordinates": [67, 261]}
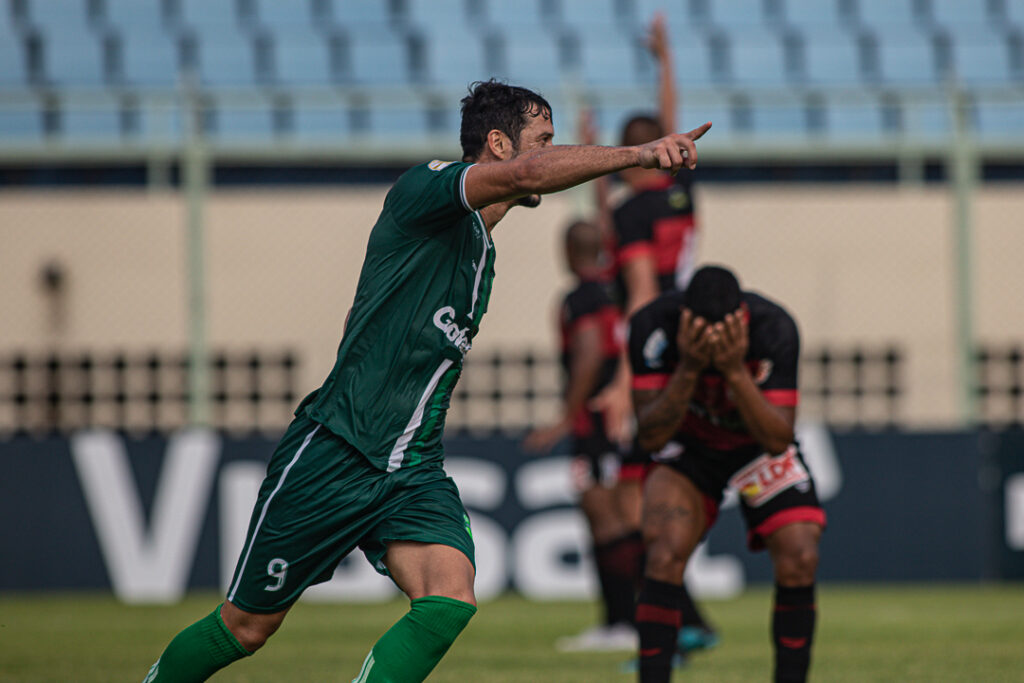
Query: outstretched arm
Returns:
{"type": "Point", "coordinates": [551, 169]}
{"type": "Point", "coordinates": [657, 41]}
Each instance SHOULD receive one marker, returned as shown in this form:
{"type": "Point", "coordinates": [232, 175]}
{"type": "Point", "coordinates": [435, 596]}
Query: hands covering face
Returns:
{"type": "Point", "coordinates": [723, 344]}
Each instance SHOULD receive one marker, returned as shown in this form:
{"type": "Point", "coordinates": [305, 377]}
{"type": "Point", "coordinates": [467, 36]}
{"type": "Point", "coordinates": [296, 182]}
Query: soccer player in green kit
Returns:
{"type": "Point", "coordinates": [362, 463]}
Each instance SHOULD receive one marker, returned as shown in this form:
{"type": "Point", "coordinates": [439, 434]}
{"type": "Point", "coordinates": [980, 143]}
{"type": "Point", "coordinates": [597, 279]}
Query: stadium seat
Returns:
{"type": "Point", "coordinates": [955, 15]}
{"type": "Point", "coordinates": [676, 12]}
{"type": "Point", "coordinates": [530, 59]}
{"type": "Point", "coordinates": [517, 14]}
{"type": "Point", "coordinates": [21, 123]}
{"type": "Point", "coordinates": [295, 15]}
{"type": "Point", "coordinates": [160, 122]}
{"type": "Point", "coordinates": [315, 121]}
{"type": "Point", "coordinates": [63, 16]}
{"type": "Point", "coordinates": [1013, 13]}
{"type": "Point", "coordinates": [73, 57]}
{"type": "Point", "coordinates": [407, 122]}
{"type": "Point", "coordinates": [91, 120]}
{"type": "Point", "coordinates": [242, 121]}
{"type": "Point", "coordinates": [998, 120]}
{"type": "Point", "coordinates": [455, 62]}
{"type": "Point", "coordinates": [593, 15]}
{"type": "Point", "coordinates": [207, 15]}
{"type": "Point", "coordinates": [981, 57]}
{"type": "Point", "coordinates": [850, 118]}
{"type": "Point", "coordinates": [377, 57]}
{"type": "Point", "coordinates": [446, 19]}
{"type": "Point", "coordinates": [772, 118]}
{"type": "Point", "coordinates": [129, 16]}
{"type": "Point", "coordinates": [691, 63]}
{"type": "Point", "coordinates": [893, 14]}
{"type": "Point", "coordinates": [730, 14]}
{"type": "Point", "coordinates": [301, 56]}
{"type": "Point", "coordinates": [831, 57]}
{"type": "Point", "coordinates": [905, 57]}
{"type": "Point", "coordinates": [226, 57]}
{"type": "Point", "coordinates": [611, 59]}
{"type": "Point", "coordinates": [923, 119]}
{"type": "Point", "coordinates": [148, 59]}
{"type": "Point", "coordinates": [757, 58]}
{"type": "Point", "coordinates": [812, 15]}
{"type": "Point", "coordinates": [360, 13]}
{"type": "Point", "coordinates": [13, 65]}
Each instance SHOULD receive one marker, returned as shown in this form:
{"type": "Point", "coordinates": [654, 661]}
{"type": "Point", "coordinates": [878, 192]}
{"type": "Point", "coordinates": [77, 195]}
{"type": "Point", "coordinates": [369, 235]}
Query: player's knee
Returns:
{"type": "Point", "coordinates": [796, 565]}
{"type": "Point", "coordinates": [251, 630]}
{"type": "Point", "coordinates": [665, 561]}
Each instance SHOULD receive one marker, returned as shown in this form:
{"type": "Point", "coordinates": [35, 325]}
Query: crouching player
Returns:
{"type": "Point", "coordinates": [715, 394]}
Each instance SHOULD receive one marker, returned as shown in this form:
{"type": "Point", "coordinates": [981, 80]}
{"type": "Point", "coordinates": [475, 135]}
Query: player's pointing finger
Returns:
{"type": "Point", "coordinates": [699, 131]}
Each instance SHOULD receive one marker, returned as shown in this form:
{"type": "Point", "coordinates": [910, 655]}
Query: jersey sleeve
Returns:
{"type": "Point", "coordinates": [783, 353]}
{"type": "Point", "coordinates": [429, 197]}
{"type": "Point", "coordinates": [650, 351]}
{"type": "Point", "coordinates": [634, 234]}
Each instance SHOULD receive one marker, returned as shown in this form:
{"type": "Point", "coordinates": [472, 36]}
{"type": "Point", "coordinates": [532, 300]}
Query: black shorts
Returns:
{"type": "Point", "coordinates": [774, 491]}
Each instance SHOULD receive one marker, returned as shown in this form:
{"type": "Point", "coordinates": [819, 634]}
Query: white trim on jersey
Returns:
{"type": "Point", "coordinates": [686, 260]}
{"type": "Point", "coordinates": [367, 667]}
{"type": "Point", "coordinates": [263, 512]}
{"type": "Point", "coordinates": [480, 266]}
{"type": "Point", "coordinates": [398, 452]}
{"type": "Point", "coordinates": [462, 188]}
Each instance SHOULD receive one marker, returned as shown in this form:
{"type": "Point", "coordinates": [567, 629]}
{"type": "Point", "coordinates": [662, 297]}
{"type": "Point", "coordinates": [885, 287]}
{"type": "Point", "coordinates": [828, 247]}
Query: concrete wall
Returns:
{"type": "Point", "coordinates": [854, 264]}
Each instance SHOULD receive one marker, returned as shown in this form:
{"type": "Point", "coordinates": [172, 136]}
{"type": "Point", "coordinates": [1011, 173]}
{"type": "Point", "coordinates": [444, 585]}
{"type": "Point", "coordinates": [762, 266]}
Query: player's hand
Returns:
{"type": "Point", "coordinates": [657, 37]}
{"type": "Point", "coordinates": [615, 403]}
{"type": "Point", "coordinates": [695, 341]}
{"type": "Point", "coordinates": [543, 439]}
{"type": "Point", "coordinates": [672, 152]}
{"type": "Point", "coordinates": [732, 340]}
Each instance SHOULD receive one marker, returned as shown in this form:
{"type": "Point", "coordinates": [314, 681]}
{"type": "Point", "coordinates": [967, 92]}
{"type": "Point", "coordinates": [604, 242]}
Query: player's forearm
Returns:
{"type": "Point", "coordinates": [771, 429]}
{"type": "Point", "coordinates": [659, 420]}
{"type": "Point", "coordinates": [552, 169]}
{"type": "Point", "coordinates": [582, 381]}
{"type": "Point", "coordinates": [666, 92]}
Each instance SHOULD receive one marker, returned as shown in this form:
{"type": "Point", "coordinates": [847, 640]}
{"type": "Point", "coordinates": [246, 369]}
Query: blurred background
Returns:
{"type": "Point", "coordinates": [187, 186]}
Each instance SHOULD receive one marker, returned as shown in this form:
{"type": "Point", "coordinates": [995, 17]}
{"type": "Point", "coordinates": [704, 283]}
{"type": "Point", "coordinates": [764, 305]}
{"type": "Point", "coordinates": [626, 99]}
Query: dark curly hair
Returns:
{"type": "Point", "coordinates": [493, 105]}
{"type": "Point", "coordinates": [712, 293]}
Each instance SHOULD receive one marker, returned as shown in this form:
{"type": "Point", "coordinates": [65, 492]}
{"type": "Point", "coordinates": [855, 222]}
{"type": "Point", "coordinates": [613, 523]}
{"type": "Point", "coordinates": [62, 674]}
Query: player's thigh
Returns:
{"type": "Point", "coordinates": [422, 569]}
{"type": "Point", "coordinates": [674, 517]}
{"type": "Point", "coordinates": [598, 504]}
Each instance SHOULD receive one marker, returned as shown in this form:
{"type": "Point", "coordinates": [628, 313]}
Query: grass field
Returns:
{"type": "Point", "coordinates": [888, 633]}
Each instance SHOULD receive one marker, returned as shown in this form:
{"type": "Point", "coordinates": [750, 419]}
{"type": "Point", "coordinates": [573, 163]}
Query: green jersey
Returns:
{"type": "Point", "coordinates": [422, 291]}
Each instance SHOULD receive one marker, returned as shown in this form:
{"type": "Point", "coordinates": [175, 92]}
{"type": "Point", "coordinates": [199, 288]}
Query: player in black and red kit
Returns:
{"type": "Point", "coordinates": [715, 394]}
{"type": "Point", "coordinates": [591, 331]}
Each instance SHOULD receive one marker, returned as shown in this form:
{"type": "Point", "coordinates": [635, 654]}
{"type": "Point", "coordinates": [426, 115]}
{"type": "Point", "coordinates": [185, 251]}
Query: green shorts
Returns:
{"type": "Point", "coordinates": [321, 499]}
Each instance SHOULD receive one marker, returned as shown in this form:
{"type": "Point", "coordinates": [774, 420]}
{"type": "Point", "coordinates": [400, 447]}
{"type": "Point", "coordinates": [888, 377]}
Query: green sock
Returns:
{"type": "Point", "coordinates": [197, 652]}
{"type": "Point", "coordinates": [411, 648]}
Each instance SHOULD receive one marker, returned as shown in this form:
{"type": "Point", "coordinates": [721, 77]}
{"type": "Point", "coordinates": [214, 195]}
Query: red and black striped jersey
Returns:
{"type": "Point", "coordinates": [658, 222]}
{"type": "Point", "coordinates": [712, 418]}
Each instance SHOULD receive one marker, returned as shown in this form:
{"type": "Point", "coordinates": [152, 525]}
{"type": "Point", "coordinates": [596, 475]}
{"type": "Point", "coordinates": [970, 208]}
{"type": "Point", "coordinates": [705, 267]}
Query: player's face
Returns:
{"type": "Point", "coordinates": [538, 132]}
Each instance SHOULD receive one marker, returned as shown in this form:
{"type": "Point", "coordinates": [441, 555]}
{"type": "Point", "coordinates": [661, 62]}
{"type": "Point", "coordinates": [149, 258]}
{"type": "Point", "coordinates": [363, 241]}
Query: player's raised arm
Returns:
{"type": "Point", "coordinates": [545, 169]}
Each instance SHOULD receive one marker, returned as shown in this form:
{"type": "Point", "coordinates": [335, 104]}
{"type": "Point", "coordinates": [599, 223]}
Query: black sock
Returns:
{"type": "Point", "coordinates": [616, 567]}
{"type": "Point", "coordinates": [691, 615]}
{"type": "Point", "coordinates": [793, 632]}
{"type": "Point", "coordinates": [657, 623]}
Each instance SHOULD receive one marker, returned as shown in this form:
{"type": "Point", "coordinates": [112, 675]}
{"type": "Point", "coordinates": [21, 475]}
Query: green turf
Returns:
{"type": "Point", "coordinates": [889, 633]}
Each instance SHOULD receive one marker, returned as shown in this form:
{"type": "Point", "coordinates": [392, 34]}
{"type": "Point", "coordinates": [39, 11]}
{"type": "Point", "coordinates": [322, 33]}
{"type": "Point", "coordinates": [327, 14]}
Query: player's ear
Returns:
{"type": "Point", "coordinates": [500, 145]}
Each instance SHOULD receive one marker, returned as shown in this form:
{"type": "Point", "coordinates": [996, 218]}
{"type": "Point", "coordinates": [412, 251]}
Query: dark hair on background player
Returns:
{"type": "Point", "coordinates": [641, 129]}
{"type": "Point", "coordinates": [493, 105]}
{"type": "Point", "coordinates": [712, 293]}
{"type": "Point", "coordinates": [583, 241]}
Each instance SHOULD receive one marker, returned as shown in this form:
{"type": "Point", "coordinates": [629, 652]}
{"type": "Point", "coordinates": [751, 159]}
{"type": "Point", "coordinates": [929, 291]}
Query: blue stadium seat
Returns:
{"type": "Point", "coordinates": [831, 57]}
{"type": "Point", "coordinates": [676, 13]}
{"type": "Point", "coordinates": [1014, 13]}
{"type": "Point", "coordinates": [148, 59]}
{"type": "Point", "coordinates": [226, 57]}
{"type": "Point", "coordinates": [691, 62]}
{"type": "Point", "coordinates": [377, 57]}
{"type": "Point", "coordinates": [771, 118]}
{"type": "Point", "coordinates": [455, 62]}
{"type": "Point", "coordinates": [406, 123]}
{"type": "Point", "coordinates": [13, 65]}
{"type": "Point", "coordinates": [530, 59]}
{"type": "Point", "coordinates": [852, 118]}
{"type": "Point", "coordinates": [592, 15]}
{"type": "Point", "coordinates": [208, 15]}
{"type": "Point", "coordinates": [21, 123]}
{"type": "Point", "coordinates": [958, 14]}
{"type": "Point", "coordinates": [757, 58]}
{"type": "Point", "coordinates": [813, 14]}
{"type": "Point", "coordinates": [73, 57]}
{"type": "Point", "coordinates": [517, 14]}
{"type": "Point", "coordinates": [981, 57]}
{"type": "Point", "coordinates": [446, 19]}
{"type": "Point", "coordinates": [732, 14]}
{"type": "Point", "coordinates": [249, 121]}
{"type": "Point", "coordinates": [62, 16]}
{"type": "Point", "coordinates": [360, 13]}
{"type": "Point", "coordinates": [892, 14]}
{"type": "Point", "coordinates": [906, 58]}
{"type": "Point", "coordinates": [926, 119]}
{"type": "Point", "coordinates": [160, 122]}
{"type": "Point", "coordinates": [716, 110]}
{"type": "Point", "coordinates": [999, 120]}
{"type": "Point", "coordinates": [611, 59]}
{"type": "Point", "coordinates": [277, 15]}
{"type": "Point", "coordinates": [130, 16]}
{"type": "Point", "coordinates": [92, 120]}
{"type": "Point", "coordinates": [319, 121]}
{"type": "Point", "coordinates": [301, 57]}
